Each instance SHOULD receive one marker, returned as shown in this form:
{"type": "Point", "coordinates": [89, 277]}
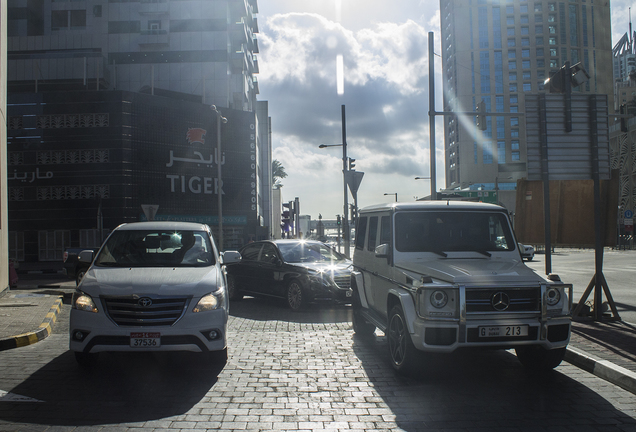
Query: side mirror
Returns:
{"type": "Point", "coordinates": [230, 257]}
{"type": "Point", "coordinates": [85, 256]}
{"type": "Point", "coordinates": [382, 251]}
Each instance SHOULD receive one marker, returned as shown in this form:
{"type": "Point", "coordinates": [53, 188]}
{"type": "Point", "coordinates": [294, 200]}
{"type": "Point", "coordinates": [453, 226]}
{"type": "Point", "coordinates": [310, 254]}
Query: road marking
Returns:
{"type": "Point", "coordinates": [12, 397]}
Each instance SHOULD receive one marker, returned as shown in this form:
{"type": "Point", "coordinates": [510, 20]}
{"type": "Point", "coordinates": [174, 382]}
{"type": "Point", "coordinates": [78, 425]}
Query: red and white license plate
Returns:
{"type": "Point", "coordinates": [145, 340]}
{"type": "Point", "coordinates": [503, 331]}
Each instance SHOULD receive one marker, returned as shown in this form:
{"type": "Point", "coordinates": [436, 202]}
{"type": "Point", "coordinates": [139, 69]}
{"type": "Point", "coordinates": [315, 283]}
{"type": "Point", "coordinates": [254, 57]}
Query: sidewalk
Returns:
{"type": "Point", "coordinates": [27, 313]}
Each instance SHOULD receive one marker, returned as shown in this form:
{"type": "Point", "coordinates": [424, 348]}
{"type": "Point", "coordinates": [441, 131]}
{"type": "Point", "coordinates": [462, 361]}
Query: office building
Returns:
{"type": "Point", "coordinates": [110, 109]}
{"type": "Point", "coordinates": [498, 51]}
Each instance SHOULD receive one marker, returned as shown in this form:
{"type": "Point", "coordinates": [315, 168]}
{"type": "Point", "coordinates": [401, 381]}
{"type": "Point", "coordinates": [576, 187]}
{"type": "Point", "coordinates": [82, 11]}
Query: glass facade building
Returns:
{"type": "Point", "coordinates": [497, 51]}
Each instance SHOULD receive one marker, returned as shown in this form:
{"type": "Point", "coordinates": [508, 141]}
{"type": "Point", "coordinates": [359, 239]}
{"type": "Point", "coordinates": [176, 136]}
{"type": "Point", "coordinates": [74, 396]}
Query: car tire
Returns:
{"type": "Point", "coordinates": [80, 276]}
{"type": "Point", "coordinates": [86, 360]}
{"type": "Point", "coordinates": [403, 354]}
{"type": "Point", "coordinates": [361, 327]}
{"type": "Point", "coordinates": [295, 295]}
{"type": "Point", "coordinates": [217, 357]}
{"type": "Point", "coordinates": [539, 359]}
{"type": "Point", "coordinates": [234, 294]}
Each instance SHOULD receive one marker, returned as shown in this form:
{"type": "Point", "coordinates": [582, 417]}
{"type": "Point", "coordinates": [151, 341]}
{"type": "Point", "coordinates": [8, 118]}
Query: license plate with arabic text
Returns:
{"type": "Point", "coordinates": [503, 331]}
{"type": "Point", "coordinates": [145, 339]}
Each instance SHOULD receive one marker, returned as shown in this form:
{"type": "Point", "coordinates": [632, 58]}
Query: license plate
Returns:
{"type": "Point", "coordinates": [145, 340]}
{"type": "Point", "coordinates": [503, 331]}
{"type": "Point", "coordinates": [348, 293]}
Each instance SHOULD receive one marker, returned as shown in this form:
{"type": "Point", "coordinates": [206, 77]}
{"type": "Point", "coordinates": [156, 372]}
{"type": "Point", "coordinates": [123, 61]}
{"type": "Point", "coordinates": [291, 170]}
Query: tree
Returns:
{"type": "Point", "coordinates": [278, 173]}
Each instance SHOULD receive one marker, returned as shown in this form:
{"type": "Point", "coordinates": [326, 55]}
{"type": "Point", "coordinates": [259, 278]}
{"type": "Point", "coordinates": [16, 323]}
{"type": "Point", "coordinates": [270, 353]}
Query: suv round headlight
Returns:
{"type": "Point", "coordinates": [439, 299]}
{"type": "Point", "coordinates": [552, 296]}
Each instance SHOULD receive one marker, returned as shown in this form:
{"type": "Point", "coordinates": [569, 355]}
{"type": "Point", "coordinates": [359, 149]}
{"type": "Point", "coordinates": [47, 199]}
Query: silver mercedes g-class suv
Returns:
{"type": "Point", "coordinates": [436, 276]}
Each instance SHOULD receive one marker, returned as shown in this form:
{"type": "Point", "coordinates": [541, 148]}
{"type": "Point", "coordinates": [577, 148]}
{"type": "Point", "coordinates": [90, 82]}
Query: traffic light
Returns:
{"type": "Point", "coordinates": [481, 117]}
{"type": "Point", "coordinates": [338, 220]}
{"type": "Point", "coordinates": [351, 163]}
{"type": "Point", "coordinates": [286, 221]}
{"type": "Point", "coordinates": [354, 213]}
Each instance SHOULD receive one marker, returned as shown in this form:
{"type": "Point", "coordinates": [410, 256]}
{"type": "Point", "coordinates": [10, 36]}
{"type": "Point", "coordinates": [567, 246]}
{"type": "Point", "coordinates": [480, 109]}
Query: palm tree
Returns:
{"type": "Point", "coordinates": [278, 173]}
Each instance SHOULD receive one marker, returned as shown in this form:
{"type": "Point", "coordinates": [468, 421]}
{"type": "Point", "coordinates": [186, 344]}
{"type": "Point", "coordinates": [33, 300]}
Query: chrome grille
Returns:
{"type": "Point", "coordinates": [343, 282]}
{"type": "Point", "coordinates": [129, 311]}
{"type": "Point", "coordinates": [521, 299]}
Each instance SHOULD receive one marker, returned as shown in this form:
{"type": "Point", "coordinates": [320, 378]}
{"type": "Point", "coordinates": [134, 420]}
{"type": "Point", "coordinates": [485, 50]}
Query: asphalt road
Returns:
{"type": "Point", "coordinates": [577, 266]}
{"type": "Point", "coordinates": [297, 372]}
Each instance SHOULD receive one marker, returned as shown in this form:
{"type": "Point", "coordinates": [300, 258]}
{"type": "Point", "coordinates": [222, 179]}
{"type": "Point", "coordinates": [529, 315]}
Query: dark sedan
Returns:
{"type": "Point", "coordinates": [298, 271]}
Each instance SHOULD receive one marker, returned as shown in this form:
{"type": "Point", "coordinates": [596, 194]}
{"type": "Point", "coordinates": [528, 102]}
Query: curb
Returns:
{"type": "Point", "coordinates": [602, 368]}
{"type": "Point", "coordinates": [41, 333]}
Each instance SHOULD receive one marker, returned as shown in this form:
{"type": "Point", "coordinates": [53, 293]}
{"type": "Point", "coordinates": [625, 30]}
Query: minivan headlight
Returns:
{"type": "Point", "coordinates": [84, 302]}
{"type": "Point", "coordinates": [208, 302]}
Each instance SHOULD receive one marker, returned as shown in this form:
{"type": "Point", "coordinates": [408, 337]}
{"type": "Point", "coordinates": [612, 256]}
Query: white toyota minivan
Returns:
{"type": "Point", "coordinates": [153, 286]}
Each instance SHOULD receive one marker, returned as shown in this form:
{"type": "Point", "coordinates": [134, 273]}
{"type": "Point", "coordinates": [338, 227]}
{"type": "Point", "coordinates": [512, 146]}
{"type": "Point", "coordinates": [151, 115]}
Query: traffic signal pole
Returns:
{"type": "Point", "coordinates": [345, 221]}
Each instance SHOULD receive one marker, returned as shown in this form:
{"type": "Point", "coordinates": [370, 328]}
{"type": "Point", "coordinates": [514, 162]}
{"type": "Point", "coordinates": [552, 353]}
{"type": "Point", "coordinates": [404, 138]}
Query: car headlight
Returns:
{"type": "Point", "coordinates": [439, 299]}
{"type": "Point", "coordinates": [320, 277]}
{"type": "Point", "coordinates": [208, 302]}
{"type": "Point", "coordinates": [84, 302]}
{"type": "Point", "coordinates": [553, 296]}
{"type": "Point", "coordinates": [437, 302]}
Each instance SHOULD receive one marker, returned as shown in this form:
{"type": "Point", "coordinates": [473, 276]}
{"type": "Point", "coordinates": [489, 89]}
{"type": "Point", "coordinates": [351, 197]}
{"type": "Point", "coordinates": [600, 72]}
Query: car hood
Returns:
{"type": "Point", "coordinates": [324, 266]}
{"type": "Point", "coordinates": [113, 281]}
{"type": "Point", "coordinates": [474, 271]}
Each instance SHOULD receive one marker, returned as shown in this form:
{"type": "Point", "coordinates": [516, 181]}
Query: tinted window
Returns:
{"type": "Point", "coordinates": [385, 230]}
{"type": "Point", "coordinates": [308, 252]}
{"type": "Point", "coordinates": [373, 233]}
{"type": "Point", "coordinates": [250, 252]}
{"type": "Point", "coordinates": [361, 231]}
{"type": "Point", "coordinates": [269, 255]}
{"type": "Point", "coordinates": [452, 231]}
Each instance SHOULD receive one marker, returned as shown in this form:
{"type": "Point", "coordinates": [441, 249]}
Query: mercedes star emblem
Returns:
{"type": "Point", "coordinates": [500, 301]}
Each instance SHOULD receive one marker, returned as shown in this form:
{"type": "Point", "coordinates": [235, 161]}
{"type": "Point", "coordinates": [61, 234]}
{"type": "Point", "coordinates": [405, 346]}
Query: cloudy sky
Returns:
{"type": "Point", "coordinates": [384, 46]}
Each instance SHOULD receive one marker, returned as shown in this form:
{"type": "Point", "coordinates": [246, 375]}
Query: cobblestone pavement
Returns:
{"type": "Point", "coordinates": [297, 372]}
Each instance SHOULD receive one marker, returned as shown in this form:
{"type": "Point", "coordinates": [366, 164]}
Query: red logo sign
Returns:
{"type": "Point", "coordinates": [195, 135]}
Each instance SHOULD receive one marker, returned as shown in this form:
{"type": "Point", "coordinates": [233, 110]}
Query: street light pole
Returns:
{"type": "Point", "coordinates": [219, 190]}
{"type": "Point", "coordinates": [345, 222]}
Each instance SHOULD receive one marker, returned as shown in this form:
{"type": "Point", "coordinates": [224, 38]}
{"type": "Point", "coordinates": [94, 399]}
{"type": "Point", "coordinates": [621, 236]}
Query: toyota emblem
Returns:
{"type": "Point", "coordinates": [500, 301]}
{"type": "Point", "coordinates": [145, 302]}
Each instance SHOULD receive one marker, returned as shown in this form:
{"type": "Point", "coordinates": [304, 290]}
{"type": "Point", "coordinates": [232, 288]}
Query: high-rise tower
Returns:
{"type": "Point", "coordinates": [497, 51]}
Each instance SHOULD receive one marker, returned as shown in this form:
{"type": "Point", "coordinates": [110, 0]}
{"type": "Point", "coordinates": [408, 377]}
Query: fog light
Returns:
{"type": "Point", "coordinates": [79, 336]}
{"type": "Point", "coordinates": [213, 334]}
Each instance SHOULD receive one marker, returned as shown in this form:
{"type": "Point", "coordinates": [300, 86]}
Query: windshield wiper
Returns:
{"type": "Point", "coordinates": [444, 254]}
{"type": "Point", "coordinates": [483, 252]}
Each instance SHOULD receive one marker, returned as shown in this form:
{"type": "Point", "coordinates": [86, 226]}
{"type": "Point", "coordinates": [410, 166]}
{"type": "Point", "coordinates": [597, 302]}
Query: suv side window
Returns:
{"type": "Point", "coordinates": [385, 230]}
{"type": "Point", "coordinates": [373, 233]}
{"type": "Point", "coordinates": [361, 231]}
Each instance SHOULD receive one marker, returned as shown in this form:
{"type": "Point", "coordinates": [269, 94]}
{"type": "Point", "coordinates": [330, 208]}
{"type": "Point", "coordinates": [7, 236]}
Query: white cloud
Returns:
{"type": "Point", "coordinates": [386, 99]}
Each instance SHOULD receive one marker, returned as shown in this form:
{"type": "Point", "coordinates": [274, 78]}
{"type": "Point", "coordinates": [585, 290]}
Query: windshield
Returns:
{"type": "Point", "coordinates": [128, 248]}
{"type": "Point", "coordinates": [308, 252]}
{"type": "Point", "coordinates": [441, 232]}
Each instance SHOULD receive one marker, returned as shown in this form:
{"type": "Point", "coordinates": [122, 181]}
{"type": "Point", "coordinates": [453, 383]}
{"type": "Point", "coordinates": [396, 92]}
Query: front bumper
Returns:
{"type": "Point", "coordinates": [331, 293]}
{"type": "Point", "coordinates": [95, 332]}
{"type": "Point", "coordinates": [447, 337]}
{"type": "Point", "coordinates": [525, 320]}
